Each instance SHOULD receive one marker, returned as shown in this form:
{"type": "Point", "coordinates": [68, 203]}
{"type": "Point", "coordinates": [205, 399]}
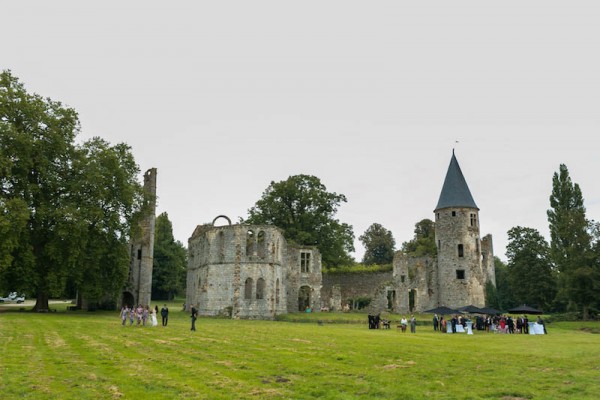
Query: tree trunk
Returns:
{"type": "Point", "coordinates": [41, 304]}
{"type": "Point", "coordinates": [585, 313]}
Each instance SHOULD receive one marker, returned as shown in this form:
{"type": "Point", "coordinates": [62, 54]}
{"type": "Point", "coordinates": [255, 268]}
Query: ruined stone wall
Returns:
{"type": "Point", "coordinates": [139, 286]}
{"type": "Point", "coordinates": [356, 285]}
{"type": "Point", "coordinates": [487, 258]}
{"type": "Point", "coordinates": [303, 277]}
{"type": "Point", "coordinates": [419, 276]}
{"type": "Point", "coordinates": [461, 278]}
{"type": "Point", "coordinates": [240, 271]}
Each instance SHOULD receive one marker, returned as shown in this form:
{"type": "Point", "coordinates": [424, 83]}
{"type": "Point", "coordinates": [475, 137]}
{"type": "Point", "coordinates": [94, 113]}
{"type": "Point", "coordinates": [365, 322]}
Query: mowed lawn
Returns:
{"type": "Point", "coordinates": [89, 355]}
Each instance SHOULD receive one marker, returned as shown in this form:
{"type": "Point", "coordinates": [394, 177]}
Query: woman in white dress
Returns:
{"type": "Point", "coordinates": [153, 318]}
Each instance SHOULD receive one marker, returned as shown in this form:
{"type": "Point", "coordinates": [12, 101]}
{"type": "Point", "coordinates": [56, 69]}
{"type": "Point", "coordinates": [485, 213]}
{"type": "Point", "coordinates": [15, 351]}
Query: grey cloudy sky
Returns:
{"type": "Point", "coordinates": [225, 96]}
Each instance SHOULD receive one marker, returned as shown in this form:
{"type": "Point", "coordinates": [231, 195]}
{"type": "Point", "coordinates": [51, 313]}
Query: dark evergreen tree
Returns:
{"type": "Point", "coordinates": [170, 261]}
{"type": "Point", "coordinates": [571, 243]}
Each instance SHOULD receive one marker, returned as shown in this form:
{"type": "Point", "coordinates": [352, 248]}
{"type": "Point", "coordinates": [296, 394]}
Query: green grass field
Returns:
{"type": "Point", "coordinates": [89, 355]}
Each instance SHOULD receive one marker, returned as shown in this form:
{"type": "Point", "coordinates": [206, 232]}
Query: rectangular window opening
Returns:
{"type": "Point", "coordinates": [305, 262]}
{"type": "Point", "coordinates": [460, 274]}
{"type": "Point", "coordinates": [461, 250]}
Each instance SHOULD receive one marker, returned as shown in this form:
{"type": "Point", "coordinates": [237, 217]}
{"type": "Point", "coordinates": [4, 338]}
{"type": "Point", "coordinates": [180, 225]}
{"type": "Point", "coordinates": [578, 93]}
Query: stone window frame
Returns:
{"type": "Point", "coordinates": [250, 242]}
{"type": "Point", "coordinates": [305, 261]}
{"type": "Point", "coordinates": [248, 288]}
{"type": "Point", "coordinates": [261, 244]}
{"type": "Point", "coordinates": [261, 286]}
{"type": "Point", "coordinates": [473, 219]}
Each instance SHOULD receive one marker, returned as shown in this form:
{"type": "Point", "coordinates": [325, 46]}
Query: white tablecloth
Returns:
{"type": "Point", "coordinates": [536, 329]}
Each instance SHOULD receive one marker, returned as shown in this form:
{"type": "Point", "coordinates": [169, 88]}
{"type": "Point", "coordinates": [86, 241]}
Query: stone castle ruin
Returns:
{"type": "Point", "coordinates": [250, 271]}
{"type": "Point", "coordinates": [138, 289]}
{"type": "Point", "coordinates": [455, 278]}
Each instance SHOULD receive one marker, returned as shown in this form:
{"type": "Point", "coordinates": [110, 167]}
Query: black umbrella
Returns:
{"type": "Point", "coordinates": [442, 310]}
{"type": "Point", "coordinates": [525, 309]}
{"type": "Point", "coordinates": [471, 309]}
{"type": "Point", "coordinates": [490, 311]}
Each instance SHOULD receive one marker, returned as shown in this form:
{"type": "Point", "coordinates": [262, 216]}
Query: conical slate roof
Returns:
{"type": "Point", "coordinates": [455, 192]}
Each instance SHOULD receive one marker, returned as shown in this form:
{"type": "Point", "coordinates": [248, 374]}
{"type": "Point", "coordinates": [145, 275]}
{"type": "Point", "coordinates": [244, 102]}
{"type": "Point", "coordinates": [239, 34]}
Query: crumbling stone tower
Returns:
{"type": "Point", "coordinates": [139, 286]}
{"type": "Point", "coordinates": [250, 271]}
{"type": "Point", "coordinates": [464, 261]}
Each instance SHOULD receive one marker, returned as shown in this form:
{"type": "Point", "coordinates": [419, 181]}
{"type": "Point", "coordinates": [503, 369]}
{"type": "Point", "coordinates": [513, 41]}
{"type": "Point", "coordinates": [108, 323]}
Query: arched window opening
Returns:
{"type": "Point", "coordinates": [248, 289]}
{"type": "Point", "coordinates": [221, 245]}
{"type": "Point", "coordinates": [261, 244]}
{"type": "Point", "coordinates": [250, 243]}
{"type": "Point", "coordinates": [260, 289]}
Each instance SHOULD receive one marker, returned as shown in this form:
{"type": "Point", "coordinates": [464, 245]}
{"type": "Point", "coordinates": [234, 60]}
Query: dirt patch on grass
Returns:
{"type": "Point", "coordinates": [394, 366]}
{"type": "Point", "coordinates": [590, 330]}
{"type": "Point", "coordinates": [115, 393]}
{"type": "Point", "coordinates": [301, 341]}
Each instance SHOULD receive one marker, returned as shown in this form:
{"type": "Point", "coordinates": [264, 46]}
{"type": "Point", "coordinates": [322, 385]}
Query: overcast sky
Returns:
{"type": "Point", "coordinates": [224, 97]}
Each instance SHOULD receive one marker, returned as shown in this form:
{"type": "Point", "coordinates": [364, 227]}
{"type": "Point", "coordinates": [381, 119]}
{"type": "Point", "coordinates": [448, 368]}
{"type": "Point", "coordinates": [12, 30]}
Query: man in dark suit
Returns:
{"type": "Point", "coordinates": [194, 316]}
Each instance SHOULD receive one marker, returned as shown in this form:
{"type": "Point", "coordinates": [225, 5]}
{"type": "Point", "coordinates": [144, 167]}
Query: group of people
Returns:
{"type": "Point", "coordinates": [143, 314]}
{"type": "Point", "coordinates": [413, 324]}
{"type": "Point", "coordinates": [498, 323]}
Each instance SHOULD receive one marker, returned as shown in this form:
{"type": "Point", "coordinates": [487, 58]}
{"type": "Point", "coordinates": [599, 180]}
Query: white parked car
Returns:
{"type": "Point", "coordinates": [12, 298]}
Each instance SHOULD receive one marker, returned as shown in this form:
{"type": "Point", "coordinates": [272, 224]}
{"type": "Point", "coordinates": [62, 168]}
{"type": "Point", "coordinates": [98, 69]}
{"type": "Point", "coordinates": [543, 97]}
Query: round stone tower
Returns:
{"type": "Point", "coordinates": [237, 271]}
{"type": "Point", "coordinates": [461, 276]}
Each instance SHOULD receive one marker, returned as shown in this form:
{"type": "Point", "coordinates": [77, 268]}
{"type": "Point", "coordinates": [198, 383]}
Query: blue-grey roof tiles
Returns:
{"type": "Point", "coordinates": [455, 192]}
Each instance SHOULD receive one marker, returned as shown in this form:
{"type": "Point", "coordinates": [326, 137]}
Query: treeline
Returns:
{"type": "Point", "coordinates": [560, 276]}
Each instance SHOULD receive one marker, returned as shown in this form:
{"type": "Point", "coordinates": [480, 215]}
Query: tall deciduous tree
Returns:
{"type": "Point", "coordinates": [169, 270]}
{"type": "Point", "coordinates": [500, 296]}
{"type": "Point", "coordinates": [72, 204]}
{"type": "Point", "coordinates": [571, 242]}
{"type": "Point", "coordinates": [379, 245]}
{"type": "Point", "coordinates": [530, 273]}
{"type": "Point", "coordinates": [423, 244]}
{"type": "Point", "coordinates": [303, 208]}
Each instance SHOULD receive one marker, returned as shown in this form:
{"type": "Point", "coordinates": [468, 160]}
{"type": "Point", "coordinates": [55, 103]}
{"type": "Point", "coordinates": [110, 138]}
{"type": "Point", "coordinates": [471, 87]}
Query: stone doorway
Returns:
{"type": "Point", "coordinates": [128, 299]}
{"type": "Point", "coordinates": [303, 298]}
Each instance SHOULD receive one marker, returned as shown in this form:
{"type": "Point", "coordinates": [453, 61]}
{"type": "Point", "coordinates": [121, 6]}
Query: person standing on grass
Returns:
{"type": "Point", "coordinates": [413, 324]}
{"type": "Point", "coordinates": [153, 320]}
{"type": "Point", "coordinates": [124, 314]}
{"type": "Point", "coordinates": [131, 315]}
{"type": "Point", "coordinates": [435, 322]}
{"type": "Point", "coordinates": [194, 316]}
{"type": "Point", "coordinates": [164, 313]}
{"type": "Point", "coordinates": [403, 324]}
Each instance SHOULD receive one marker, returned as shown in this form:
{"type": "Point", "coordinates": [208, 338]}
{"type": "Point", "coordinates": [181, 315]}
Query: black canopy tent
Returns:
{"type": "Point", "coordinates": [443, 310]}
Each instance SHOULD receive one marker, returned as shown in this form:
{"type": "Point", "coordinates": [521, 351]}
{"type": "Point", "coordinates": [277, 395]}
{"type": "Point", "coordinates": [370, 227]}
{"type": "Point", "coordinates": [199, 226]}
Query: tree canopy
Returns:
{"type": "Point", "coordinates": [303, 208]}
{"type": "Point", "coordinates": [571, 246]}
{"type": "Point", "coordinates": [170, 261]}
{"type": "Point", "coordinates": [530, 273]}
{"type": "Point", "coordinates": [423, 243]}
{"type": "Point", "coordinates": [379, 245]}
{"type": "Point", "coordinates": [65, 209]}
